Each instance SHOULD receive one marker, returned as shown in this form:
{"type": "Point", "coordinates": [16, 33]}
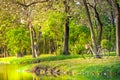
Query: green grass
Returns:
{"type": "Point", "coordinates": [44, 57]}
{"type": "Point", "coordinates": [71, 63]}
{"type": "Point", "coordinates": [82, 66]}
{"type": "Point", "coordinates": [41, 58]}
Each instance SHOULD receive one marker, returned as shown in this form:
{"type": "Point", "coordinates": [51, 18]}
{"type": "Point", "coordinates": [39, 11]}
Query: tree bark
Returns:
{"type": "Point", "coordinates": [52, 45]}
{"type": "Point", "coordinates": [96, 55]}
{"type": "Point", "coordinates": [112, 19]}
{"type": "Point", "coordinates": [35, 41]}
{"type": "Point", "coordinates": [117, 19]}
{"type": "Point", "coordinates": [5, 50]}
{"type": "Point", "coordinates": [32, 41]}
{"type": "Point", "coordinates": [45, 47]}
{"type": "Point", "coordinates": [38, 42]}
{"type": "Point", "coordinates": [100, 29]}
{"type": "Point", "coordinates": [66, 29]}
{"type": "Point", "coordinates": [66, 37]}
{"type": "Point", "coordinates": [100, 26]}
{"type": "Point", "coordinates": [29, 24]}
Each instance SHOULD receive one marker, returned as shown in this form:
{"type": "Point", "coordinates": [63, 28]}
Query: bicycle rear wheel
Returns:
{"type": "Point", "coordinates": [105, 53]}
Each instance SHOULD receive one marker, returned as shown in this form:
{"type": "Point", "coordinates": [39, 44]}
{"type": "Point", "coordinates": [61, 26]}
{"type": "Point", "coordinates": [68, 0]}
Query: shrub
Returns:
{"type": "Point", "coordinates": [106, 44]}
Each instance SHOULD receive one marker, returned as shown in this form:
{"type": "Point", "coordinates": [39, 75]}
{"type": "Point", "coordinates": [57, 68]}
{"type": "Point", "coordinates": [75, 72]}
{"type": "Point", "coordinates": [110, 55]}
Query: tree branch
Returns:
{"type": "Point", "coordinates": [92, 6]}
{"type": "Point", "coordinates": [35, 2]}
{"type": "Point", "coordinates": [27, 5]}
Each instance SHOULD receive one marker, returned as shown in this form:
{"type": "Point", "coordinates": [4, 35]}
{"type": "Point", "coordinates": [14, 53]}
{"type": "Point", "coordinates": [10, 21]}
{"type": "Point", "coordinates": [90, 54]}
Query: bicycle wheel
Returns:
{"type": "Point", "coordinates": [105, 53]}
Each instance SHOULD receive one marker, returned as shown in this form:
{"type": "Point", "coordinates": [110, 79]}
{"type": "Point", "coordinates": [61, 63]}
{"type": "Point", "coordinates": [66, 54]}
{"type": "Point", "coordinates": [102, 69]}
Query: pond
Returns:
{"type": "Point", "coordinates": [14, 72]}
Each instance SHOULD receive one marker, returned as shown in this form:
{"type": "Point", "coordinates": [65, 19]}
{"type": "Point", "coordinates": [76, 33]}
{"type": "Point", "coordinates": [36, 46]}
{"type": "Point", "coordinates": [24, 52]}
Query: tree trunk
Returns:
{"type": "Point", "coordinates": [5, 51]}
{"type": "Point", "coordinates": [117, 17]}
{"type": "Point", "coordinates": [35, 38]}
{"type": "Point", "coordinates": [112, 20]}
{"type": "Point", "coordinates": [66, 37]}
{"type": "Point", "coordinates": [100, 26]}
{"type": "Point", "coordinates": [31, 30]}
{"type": "Point", "coordinates": [44, 44]}
{"type": "Point", "coordinates": [96, 55]}
{"type": "Point", "coordinates": [113, 24]}
{"type": "Point", "coordinates": [38, 42]}
{"type": "Point", "coordinates": [52, 46]}
{"type": "Point", "coordinates": [66, 29]}
{"type": "Point", "coordinates": [32, 41]}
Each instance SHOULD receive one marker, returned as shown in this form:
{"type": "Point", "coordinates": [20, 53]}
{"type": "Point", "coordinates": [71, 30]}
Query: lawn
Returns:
{"type": "Point", "coordinates": [74, 64]}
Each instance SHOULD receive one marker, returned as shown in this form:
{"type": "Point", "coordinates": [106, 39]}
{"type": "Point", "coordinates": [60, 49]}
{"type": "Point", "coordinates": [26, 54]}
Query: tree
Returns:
{"type": "Point", "coordinates": [17, 40]}
{"type": "Point", "coordinates": [100, 30]}
{"type": "Point", "coordinates": [27, 8]}
{"type": "Point", "coordinates": [80, 35]}
{"type": "Point", "coordinates": [117, 19]}
{"type": "Point", "coordinates": [8, 19]}
{"type": "Point", "coordinates": [91, 30]}
{"type": "Point", "coordinates": [66, 28]}
{"type": "Point", "coordinates": [52, 30]}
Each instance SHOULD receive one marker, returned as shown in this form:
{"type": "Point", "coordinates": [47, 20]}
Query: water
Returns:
{"type": "Point", "coordinates": [14, 72]}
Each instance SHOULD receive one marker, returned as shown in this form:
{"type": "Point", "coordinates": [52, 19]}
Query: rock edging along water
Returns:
{"type": "Point", "coordinates": [91, 70]}
{"type": "Point", "coordinates": [47, 70]}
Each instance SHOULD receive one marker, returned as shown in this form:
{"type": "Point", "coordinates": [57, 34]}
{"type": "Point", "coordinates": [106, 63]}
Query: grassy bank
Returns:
{"type": "Point", "coordinates": [108, 66]}
{"type": "Point", "coordinates": [41, 58]}
{"type": "Point", "coordinates": [73, 64]}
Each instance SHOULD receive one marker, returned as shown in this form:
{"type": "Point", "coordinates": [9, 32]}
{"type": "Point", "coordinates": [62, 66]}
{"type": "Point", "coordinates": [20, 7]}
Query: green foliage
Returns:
{"type": "Point", "coordinates": [118, 2]}
{"type": "Point", "coordinates": [53, 24]}
{"type": "Point", "coordinates": [79, 36]}
{"type": "Point", "coordinates": [50, 21]}
{"type": "Point", "coordinates": [109, 32]}
{"type": "Point", "coordinates": [17, 39]}
{"type": "Point", "coordinates": [6, 22]}
{"type": "Point", "coordinates": [52, 28]}
{"type": "Point", "coordinates": [106, 44]}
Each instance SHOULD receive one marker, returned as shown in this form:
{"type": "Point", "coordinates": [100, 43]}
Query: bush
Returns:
{"type": "Point", "coordinates": [17, 40]}
{"type": "Point", "coordinates": [77, 49]}
{"type": "Point", "coordinates": [106, 44]}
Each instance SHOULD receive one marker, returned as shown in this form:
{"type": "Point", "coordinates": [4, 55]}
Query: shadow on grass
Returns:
{"type": "Point", "coordinates": [41, 59]}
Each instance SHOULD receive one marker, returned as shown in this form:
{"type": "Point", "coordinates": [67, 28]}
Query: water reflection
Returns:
{"type": "Point", "coordinates": [13, 72]}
